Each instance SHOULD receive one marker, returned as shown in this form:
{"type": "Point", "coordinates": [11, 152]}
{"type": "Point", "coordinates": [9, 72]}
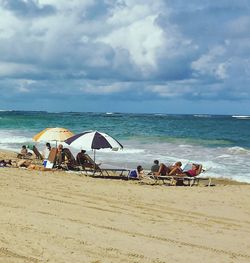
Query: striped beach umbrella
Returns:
{"type": "Point", "coordinates": [53, 134]}
{"type": "Point", "coordinates": [93, 140]}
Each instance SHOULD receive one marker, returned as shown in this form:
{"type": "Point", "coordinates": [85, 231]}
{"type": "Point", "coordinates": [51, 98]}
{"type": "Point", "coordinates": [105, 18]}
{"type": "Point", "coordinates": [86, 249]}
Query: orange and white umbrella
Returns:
{"type": "Point", "coordinates": [53, 134]}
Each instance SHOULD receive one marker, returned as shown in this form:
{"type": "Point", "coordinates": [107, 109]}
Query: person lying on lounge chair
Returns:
{"type": "Point", "coordinates": [163, 170]}
{"type": "Point", "coordinates": [81, 158]}
{"type": "Point", "coordinates": [85, 160]}
{"type": "Point", "coordinates": [175, 169]}
{"type": "Point", "coordinates": [194, 171]}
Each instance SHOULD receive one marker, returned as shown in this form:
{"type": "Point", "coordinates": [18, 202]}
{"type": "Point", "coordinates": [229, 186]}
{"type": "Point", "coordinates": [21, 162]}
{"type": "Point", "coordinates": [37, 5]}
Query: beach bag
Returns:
{"type": "Point", "coordinates": [48, 164]}
{"type": "Point", "coordinates": [133, 174]}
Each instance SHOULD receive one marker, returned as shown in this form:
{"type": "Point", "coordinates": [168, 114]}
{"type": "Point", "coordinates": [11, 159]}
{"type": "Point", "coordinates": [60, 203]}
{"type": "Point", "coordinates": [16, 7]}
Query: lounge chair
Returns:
{"type": "Point", "coordinates": [70, 161]}
{"type": "Point", "coordinates": [37, 153]}
{"type": "Point", "coordinates": [180, 180]}
{"type": "Point", "coordinates": [113, 171]}
{"type": "Point", "coordinates": [183, 179]}
{"type": "Point", "coordinates": [90, 166]}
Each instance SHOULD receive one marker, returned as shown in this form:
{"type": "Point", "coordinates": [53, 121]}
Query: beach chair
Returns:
{"type": "Point", "coordinates": [180, 180]}
{"type": "Point", "coordinates": [114, 171]}
{"type": "Point", "coordinates": [89, 164]}
{"type": "Point", "coordinates": [70, 161]}
{"type": "Point", "coordinates": [94, 169]}
{"type": "Point", "coordinates": [183, 180]}
{"type": "Point", "coordinates": [37, 153]}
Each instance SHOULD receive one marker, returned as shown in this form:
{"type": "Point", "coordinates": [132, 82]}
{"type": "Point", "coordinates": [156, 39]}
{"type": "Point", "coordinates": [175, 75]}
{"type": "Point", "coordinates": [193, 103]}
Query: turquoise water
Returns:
{"type": "Point", "coordinates": [220, 142]}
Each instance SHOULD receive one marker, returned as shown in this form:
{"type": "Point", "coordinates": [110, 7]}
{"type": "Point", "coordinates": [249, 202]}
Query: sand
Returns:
{"type": "Point", "coordinates": [68, 217]}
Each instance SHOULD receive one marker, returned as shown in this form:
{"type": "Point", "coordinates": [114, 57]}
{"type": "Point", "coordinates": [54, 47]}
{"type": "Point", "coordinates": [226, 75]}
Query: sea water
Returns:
{"type": "Point", "coordinates": [220, 143]}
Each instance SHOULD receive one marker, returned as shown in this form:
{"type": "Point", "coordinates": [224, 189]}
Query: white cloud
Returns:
{"type": "Point", "coordinates": [8, 69]}
{"type": "Point", "coordinates": [9, 24]}
{"type": "Point", "coordinates": [240, 25]}
{"type": "Point", "coordinates": [105, 89]}
{"type": "Point", "coordinates": [210, 64]}
{"type": "Point", "coordinates": [67, 6]}
{"type": "Point", "coordinates": [134, 28]}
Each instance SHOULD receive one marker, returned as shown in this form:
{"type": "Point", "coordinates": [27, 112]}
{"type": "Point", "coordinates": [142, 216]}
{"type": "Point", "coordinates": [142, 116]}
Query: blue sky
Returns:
{"type": "Point", "coordinates": [125, 55]}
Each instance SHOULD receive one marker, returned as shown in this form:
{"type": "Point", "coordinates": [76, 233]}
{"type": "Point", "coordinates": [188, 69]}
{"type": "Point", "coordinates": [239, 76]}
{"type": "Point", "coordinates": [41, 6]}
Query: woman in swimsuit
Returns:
{"type": "Point", "coordinates": [194, 171]}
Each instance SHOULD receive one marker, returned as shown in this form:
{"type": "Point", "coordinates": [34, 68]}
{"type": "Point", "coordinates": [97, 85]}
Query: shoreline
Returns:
{"type": "Point", "coordinates": [9, 154]}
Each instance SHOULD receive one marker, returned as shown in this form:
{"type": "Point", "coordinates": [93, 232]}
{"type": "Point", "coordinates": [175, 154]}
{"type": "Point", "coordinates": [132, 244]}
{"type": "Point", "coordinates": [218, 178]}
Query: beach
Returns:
{"type": "Point", "coordinates": [57, 216]}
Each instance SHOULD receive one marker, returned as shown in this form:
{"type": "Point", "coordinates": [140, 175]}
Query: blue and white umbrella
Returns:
{"type": "Point", "coordinates": [93, 140]}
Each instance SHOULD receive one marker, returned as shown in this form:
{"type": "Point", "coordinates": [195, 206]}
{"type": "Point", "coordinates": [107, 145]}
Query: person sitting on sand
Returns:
{"type": "Point", "coordinates": [137, 174]}
{"type": "Point", "coordinates": [194, 171]}
{"type": "Point", "coordinates": [140, 172]}
{"type": "Point", "coordinates": [155, 167]}
{"type": "Point", "coordinates": [24, 153]}
{"type": "Point", "coordinates": [175, 169]}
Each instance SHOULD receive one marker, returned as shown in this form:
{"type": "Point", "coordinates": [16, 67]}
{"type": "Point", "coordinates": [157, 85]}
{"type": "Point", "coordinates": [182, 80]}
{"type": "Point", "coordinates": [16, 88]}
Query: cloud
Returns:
{"type": "Point", "coordinates": [125, 50]}
{"type": "Point", "coordinates": [27, 8]}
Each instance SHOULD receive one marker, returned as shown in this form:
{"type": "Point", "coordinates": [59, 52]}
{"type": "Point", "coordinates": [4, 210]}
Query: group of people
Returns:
{"type": "Point", "coordinates": [158, 169]}
{"type": "Point", "coordinates": [64, 155]}
{"type": "Point", "coordinates": [61, 156]}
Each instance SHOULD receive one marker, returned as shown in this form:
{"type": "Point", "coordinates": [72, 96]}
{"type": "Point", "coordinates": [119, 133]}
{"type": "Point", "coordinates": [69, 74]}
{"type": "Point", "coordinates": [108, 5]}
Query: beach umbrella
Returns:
{"type": "Point", "coordinates": [53, 134]}
{"type": "Point", "coordinates": [93, 140]}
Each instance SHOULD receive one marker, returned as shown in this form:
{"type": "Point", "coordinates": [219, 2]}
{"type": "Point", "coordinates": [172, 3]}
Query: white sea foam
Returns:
{"type": "Point", "coordinates": [219, 161]}
{"type": "Point", "coordinates": [241, 116]}
{"type": "Point", "coordinates": [202, 116]}
{"type": "Point", "coordinates": [223, 156]}
{"type": "Point", "coordinates": [160, 114]}
{"type": "Point", "coordinates": [238, 150]}
{"type": "Point", "coordinates": [14, 139]}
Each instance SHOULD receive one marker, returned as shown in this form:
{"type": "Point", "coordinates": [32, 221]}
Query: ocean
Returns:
{"type": "Point", "coordinates": [220, 143]}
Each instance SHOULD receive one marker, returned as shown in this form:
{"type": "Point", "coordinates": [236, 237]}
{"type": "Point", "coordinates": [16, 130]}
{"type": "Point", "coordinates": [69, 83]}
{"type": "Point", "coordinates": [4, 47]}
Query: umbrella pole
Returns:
{"type": "Point", "coordinates": [94, 159]}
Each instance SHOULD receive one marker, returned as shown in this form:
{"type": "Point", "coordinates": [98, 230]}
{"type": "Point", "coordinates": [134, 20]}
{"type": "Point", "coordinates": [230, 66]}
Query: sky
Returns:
{"type": "Point", "coordinates": [142, 56]}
